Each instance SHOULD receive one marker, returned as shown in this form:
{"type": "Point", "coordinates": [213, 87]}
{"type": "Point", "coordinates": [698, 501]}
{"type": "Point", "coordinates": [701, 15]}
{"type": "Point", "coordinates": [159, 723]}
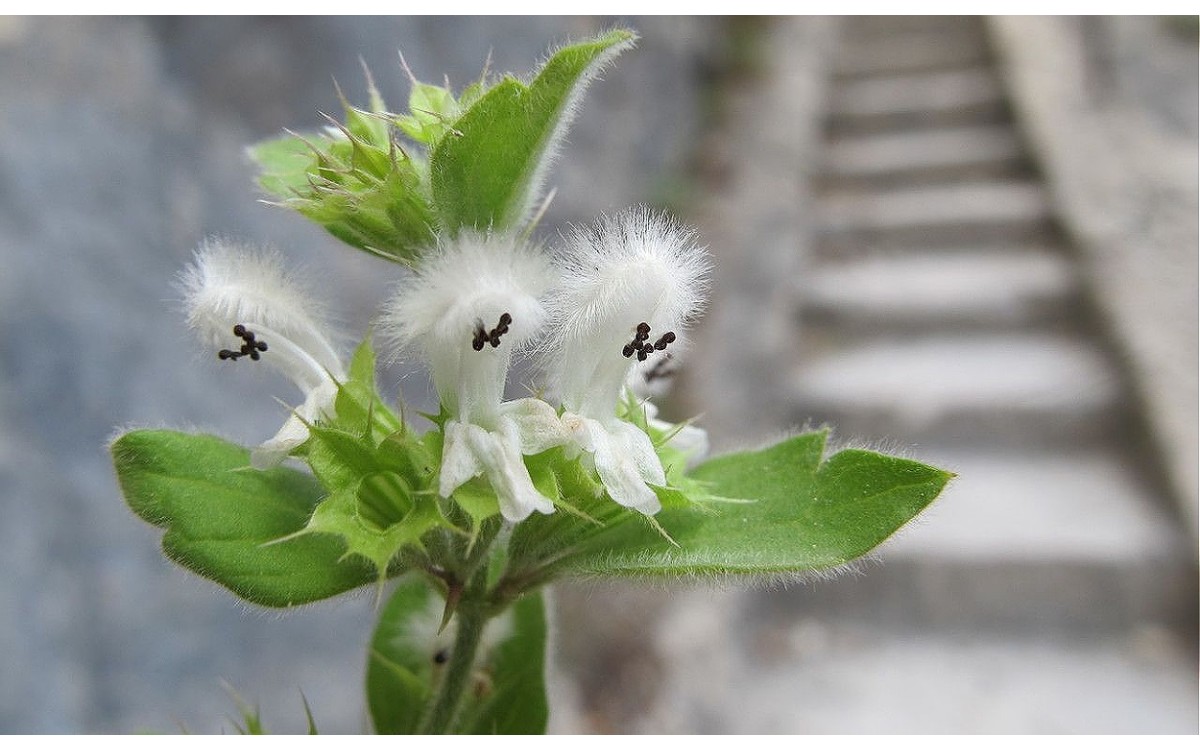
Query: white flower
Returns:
{"type": "Point", "coordinates": [468, 306]}
{"type": "Point", "coordinates": [244, 304]}
{"type": "Point", "coordinates": [629, 286]}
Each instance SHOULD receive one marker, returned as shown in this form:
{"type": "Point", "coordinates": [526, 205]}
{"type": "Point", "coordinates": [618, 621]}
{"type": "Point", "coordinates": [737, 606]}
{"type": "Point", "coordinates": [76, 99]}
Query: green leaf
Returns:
{"type": "Point", "coordinates": [512, 696]}
{"type": "Point", "coordinates": [509, 696]}
{"type": "Point", "coordinates": [487, 175]}
{"type": "Point", "coordinates": [401, 661]}
{"type": "Point", "coordinates": [219, 515]}
{"type": "Point", "coordinates": [805, 515]}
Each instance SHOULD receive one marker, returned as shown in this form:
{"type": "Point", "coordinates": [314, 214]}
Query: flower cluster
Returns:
{"type": "Point", "coordinates": [602, 316]}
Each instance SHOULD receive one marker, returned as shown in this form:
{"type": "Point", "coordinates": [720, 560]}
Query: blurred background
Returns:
{"type": "Point", "coordinates": [968, 240]}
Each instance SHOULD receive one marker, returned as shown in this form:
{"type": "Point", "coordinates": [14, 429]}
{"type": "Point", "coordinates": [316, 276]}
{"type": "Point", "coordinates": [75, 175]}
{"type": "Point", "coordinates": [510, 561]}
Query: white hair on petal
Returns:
{"type": "Point", "coordinates": [229, 283]}
{"type": "Point", "coordinates": [636, 267]}
{"type": "Point", "coordinates": [472, 279]}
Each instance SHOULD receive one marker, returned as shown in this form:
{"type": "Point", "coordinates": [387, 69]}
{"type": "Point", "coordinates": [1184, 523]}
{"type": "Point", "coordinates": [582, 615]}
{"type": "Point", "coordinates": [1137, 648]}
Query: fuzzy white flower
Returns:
{"type": "Point", "coordinates": [629, 287]}
{"type": "Point", "coordinates": [469, 305]}
{"type": "Point", "coordinates": [242, 302]}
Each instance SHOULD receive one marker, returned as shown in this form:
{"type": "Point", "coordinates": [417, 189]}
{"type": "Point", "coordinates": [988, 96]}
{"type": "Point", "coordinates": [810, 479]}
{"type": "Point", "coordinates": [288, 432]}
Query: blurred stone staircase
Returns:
{"type": "Point", "coordinates": [943, 311]}
{"type": "Point", "coordinates": [937, 310]}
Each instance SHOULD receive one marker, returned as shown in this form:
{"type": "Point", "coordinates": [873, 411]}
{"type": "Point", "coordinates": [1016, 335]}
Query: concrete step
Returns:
{"type": "Point", "coordinates": [811, 675]}
{"type": "Point", "coordinates": [961, 153]}
{"type": "Point", "coordinates": [894, 102]}
{"type": "Point", "coordinates": [1013, 211]}
{"type": "Point", "coordinates": [1024, 389]}
{"type": "Point", "coordinates": [1068, 542]}
{"type": "Point", "coordinates": [982, 289]}
{"type": "Point", "coordinates": [917, 50]}
{"type": "Point", "coordinates": [730, 660]}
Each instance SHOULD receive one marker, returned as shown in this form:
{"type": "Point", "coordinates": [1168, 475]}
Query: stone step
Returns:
{"type": "Point", "coordinates": [810, 675]}
{"type": "Point", "coordinates": [1014, 211]}
{"type": "Point", "coordinates": [980, 289]}
{"type": "Point", "coordinates": [894, 102]}
{"type": "Point", "coordinates": [1025, 389]}
{"type": "Point", "coordinates": [956, 153]}
{"type": "Point", "coordinates": [917, 50]}
{"type": "Point", "coordinates": [1067, 541]}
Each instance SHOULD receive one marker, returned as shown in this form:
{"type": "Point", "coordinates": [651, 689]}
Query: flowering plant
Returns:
{"type": "Point", "coordinates": [496, 497]}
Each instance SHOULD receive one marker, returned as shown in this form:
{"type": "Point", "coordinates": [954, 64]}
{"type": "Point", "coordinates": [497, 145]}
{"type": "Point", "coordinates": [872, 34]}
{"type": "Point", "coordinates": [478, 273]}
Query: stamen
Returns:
{"type": "Point", "coordinates": [251, 346]}
{"type": "Point", "coordinates": [666, 338]}
{"type": "Point", "coordinates": [635, 346]}
{"type": "Point", "coordinates": [484, 336]}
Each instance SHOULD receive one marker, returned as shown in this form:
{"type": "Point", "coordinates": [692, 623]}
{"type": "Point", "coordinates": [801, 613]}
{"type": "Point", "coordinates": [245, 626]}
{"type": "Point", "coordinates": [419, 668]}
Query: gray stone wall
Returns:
{"type": "Point", "coordinates": [1110, 107]}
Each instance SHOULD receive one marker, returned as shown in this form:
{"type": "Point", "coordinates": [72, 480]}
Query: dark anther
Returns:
{"type": "Point", "coordinates": [484, 336]}
{"type": "Point", "coordinates": [642, 354]}
{"type": "Point", "coordinates": [442, 656]}
{"type": "Point", "coordinates": [481, 338]}
{"type": "Point", "coordinates": [666, 338]}
{"type": "Point", "coordinates": [639, 338]}
{"type": "Point", "coordinates": [251, 346]}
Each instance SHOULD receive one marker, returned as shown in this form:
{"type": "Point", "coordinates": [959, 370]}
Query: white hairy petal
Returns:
{"type": "Point", "coordinates": [624, 458]}
{"type": "Point", "coordinates": [229, 285]}
{"type": "Point", "coordinates": [471, 450]}
{"type": "Point", "coordinates": [537, 424]}
{"type": "Point", "coordinates": [635, 267]}
{"type": "Point", "coordinates": [463, 285]}
{"type": "Point", "coordinates": [317, 405]}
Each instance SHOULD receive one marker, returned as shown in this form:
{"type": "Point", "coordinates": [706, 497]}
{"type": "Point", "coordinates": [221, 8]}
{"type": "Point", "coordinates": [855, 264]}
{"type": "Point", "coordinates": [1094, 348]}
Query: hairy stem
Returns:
{"type": "Point", "coordinates": [471, 616]}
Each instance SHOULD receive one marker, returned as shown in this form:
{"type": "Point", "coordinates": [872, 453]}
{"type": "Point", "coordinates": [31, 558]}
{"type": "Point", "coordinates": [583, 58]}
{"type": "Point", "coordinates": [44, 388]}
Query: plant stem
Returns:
{"type": "Point", "coordinates": [471, 617]}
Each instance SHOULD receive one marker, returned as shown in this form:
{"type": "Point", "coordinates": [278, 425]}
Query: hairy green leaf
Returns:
{"type": "Point", "coordinates": [220, 516]}
{"type": "Point", "coordinates": [403, 657]}
{"type": "Point", "coordinates": [488, 172]}
{"type": "Point", "coordinates": [803, 515]}
{"type": "Point", "coordinates": [509, 696]}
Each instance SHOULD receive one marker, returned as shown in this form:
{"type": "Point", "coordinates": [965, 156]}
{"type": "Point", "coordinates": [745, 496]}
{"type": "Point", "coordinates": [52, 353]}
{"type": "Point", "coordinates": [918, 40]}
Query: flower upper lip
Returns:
{"type": "Point", "coordinates": [629, 287]}
{"type": "Point", "coordinates": [241, 296]}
